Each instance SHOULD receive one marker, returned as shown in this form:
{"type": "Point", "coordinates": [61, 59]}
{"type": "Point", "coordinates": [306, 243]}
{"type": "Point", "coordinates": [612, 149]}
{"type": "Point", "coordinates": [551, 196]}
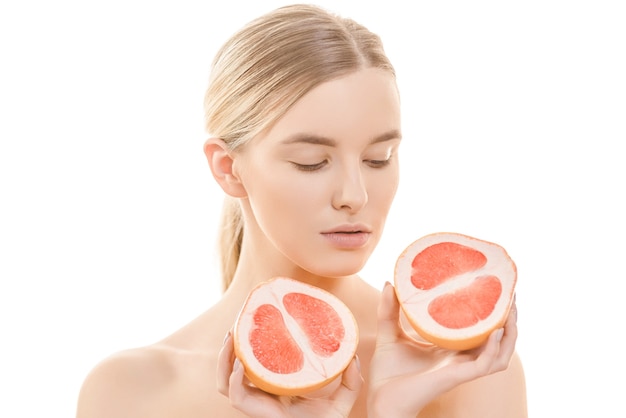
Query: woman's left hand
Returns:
{"type": "Point", "coordinates": [404, 377]}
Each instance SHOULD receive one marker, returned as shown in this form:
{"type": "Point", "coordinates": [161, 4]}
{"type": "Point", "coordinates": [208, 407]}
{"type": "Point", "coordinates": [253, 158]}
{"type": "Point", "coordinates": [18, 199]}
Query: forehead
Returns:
{"type": "Point", "coordinates": [359, 106]}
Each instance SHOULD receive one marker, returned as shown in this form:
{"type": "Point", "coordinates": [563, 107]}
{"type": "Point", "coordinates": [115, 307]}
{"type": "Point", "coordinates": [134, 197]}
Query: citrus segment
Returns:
{"type": "Point", "coordinates": [467, 306]}
{"type": "Point", "coordinates": [453, 289]}
{"type": "Point", "coordinates": [319, 321]}
{"type": "Point", "coordinates": [293, 338]}
{"type": "Point", "coordinates": [442, 261]}
{"type": "Point", "coordinates": [272, 343]}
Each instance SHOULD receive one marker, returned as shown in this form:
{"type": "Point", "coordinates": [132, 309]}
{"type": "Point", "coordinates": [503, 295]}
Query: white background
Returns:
{"type": "Point", "coordinates": [514, 128]}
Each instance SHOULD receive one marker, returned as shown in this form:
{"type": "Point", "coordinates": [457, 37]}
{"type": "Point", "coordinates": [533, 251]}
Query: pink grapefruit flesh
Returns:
{"type": "Point", "coordinates": [468, 305]}
{"type": "Point", "coordinates": [272, 344]}
{"type": "Point", "coordinates": [442, 261]}
{"type": "Point", "coordinates": [319, 321]}
{"type": "Point", "coordinates": [293, 338]}
{"type": "Point", "coordinates": [454, 290]}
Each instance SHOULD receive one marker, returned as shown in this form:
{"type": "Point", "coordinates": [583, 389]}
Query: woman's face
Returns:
{"type": "Point", "coordinates": [321, 181]}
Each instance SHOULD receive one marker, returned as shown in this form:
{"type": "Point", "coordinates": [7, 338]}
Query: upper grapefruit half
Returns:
{"type": "Point", "coordinates": [293, 338]}
{"type": "Point", "coordinates": [453, 289]}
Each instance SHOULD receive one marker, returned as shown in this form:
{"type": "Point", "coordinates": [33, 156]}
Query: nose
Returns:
{"type": "Point", "coordinates": [350, 190]}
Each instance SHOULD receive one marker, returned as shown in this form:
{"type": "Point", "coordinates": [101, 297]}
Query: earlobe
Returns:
{"type": "Point", "coordinates": [221, 162]}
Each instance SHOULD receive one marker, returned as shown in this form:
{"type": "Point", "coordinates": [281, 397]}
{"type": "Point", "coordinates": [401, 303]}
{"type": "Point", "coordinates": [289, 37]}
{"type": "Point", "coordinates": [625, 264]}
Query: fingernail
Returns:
{"type": "Point", "coordinates": [499, 334]}
{"type": "Point", "coordinates": [236, 365]}
{"type": "Point", "coordinates": [226, 337]}
{"type": "Point", "coordinates": [358, 362]}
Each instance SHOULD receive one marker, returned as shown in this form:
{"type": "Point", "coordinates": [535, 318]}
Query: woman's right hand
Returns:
{"type": "Point", "coordinates": [334, 401]}
{"type": "Point", "coordinates": [404, 377]}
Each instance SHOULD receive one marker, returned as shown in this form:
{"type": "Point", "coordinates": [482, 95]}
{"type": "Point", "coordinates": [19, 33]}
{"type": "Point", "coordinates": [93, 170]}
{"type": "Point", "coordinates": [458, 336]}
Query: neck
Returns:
{"type": "Point", "coordinates": [259, 261]}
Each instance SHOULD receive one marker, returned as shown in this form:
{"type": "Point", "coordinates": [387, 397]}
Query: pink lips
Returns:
{"type": "Point", "coordinates": [348, 236]}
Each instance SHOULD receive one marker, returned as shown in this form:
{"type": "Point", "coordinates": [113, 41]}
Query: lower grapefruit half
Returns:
{"type": "Point", "coordinates": [293, 338]}
{"type": "Point", "coordinates": [454, 290]}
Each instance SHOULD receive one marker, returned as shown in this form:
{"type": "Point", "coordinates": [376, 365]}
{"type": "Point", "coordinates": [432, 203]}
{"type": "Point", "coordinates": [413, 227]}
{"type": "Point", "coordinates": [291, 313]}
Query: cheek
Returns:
{"type": "Point", "coordinates": [284, 198]}
{"type": "Point", "coordinates": [383, 190]}
{"type": "Point", "coordinates": [291, 198]}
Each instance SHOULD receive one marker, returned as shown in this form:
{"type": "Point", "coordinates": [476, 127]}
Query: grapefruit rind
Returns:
{"type": "Point", "coordinates": [414, 302]}
{"type": "Point", "coordinates": [318, 371]}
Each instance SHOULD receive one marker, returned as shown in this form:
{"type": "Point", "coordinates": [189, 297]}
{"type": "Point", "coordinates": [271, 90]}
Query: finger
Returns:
{"type": "Point", "coordinates": [351, 383]}
{"type": "Point", "coordinates": [513, 313]}
{"type": "Point", "coordinates": [388, 315]}
{"type": "Point", "coordinates": [509, 339]}
{"type": "Point", "coordinates": [250, 400]}
{"type": "Point", "coordinates": [225, 364]}
{"type": "Point", "coordinates": [236, 386]}
{"type": "Point", "coordinates": [472, 364]}
{"type": "Point", "coordinates": [487, 358]}
{"type": "Point", "coordinates": [496, 353]}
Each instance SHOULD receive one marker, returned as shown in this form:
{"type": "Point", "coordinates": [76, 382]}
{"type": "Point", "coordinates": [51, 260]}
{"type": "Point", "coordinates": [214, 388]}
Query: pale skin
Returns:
{"type": "Point", "coordinates": [329, 165]}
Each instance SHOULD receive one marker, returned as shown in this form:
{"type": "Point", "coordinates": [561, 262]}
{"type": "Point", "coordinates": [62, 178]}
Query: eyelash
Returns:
{"type": "Point", "coordinates": [318, 166]}
{"type": "Point", "coordinates": [378, 163]}
{"type": "Point", "coordinates": [310, 167]}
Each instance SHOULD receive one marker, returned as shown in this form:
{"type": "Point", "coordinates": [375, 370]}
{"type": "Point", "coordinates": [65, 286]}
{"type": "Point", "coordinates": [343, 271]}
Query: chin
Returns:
{"type": "Point", "coordinates": [332, 264]}
{"type": "Point", "coordinates": [338, 269]}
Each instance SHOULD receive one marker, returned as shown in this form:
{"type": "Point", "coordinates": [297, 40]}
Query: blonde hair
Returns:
{"type": "Point", "coordinates": [263, 69]}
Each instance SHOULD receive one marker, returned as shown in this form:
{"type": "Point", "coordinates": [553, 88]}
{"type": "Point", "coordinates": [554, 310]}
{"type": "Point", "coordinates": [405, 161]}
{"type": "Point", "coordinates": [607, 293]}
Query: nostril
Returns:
{"type": "Point", "coordinates": [350, 192]}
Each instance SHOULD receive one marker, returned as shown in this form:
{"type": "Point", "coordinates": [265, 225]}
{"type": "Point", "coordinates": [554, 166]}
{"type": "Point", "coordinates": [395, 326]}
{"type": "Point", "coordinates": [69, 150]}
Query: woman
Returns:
{"type": "Point", "coordinates": [304, 118]}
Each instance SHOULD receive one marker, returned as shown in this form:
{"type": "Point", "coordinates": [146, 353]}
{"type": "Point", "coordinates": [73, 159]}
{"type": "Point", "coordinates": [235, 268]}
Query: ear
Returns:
{"type": "Point", "coordinates": [221, 162]}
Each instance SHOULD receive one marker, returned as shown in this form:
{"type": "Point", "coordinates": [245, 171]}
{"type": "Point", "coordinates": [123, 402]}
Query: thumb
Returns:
{"type": "Point", "coordinates": [351, 382]}
{"type": "Point", "coordinates": [388, 315]}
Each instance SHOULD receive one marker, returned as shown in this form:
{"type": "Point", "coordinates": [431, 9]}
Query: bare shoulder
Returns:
{"type": "Point", "coordinates": [136, 382]}
{"type": "Point", "coordinates": [497, 395]}
{"type": "Point", "coordinates": [172, 378]}
{"type": "Point", "coordinates": [127, 384]}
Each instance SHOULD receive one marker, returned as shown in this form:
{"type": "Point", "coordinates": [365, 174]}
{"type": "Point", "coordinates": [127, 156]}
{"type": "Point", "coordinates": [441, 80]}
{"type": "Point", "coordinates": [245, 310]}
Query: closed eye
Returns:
{"type": "Point", "coordinates": [378, 163]}
{"type": "Point", "coordinates": [310, 167]}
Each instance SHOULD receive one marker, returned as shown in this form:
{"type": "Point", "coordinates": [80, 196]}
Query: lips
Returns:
{"type": "Point", "coordinates": [348, 236]}
{"type": "Point", "coordinates": [349, 229]}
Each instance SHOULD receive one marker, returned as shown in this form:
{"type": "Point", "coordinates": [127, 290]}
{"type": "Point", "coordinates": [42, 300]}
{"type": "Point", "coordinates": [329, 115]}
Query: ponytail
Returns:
{"type": "Point", "coordinates": [230, 238]}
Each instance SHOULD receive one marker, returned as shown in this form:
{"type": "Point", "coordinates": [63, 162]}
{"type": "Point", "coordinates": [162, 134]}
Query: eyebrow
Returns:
{"type": "Point", "coordinates": [305, 138]}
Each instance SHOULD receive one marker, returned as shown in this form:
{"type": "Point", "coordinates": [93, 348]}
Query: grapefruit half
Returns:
{"type": "Point", "coordinates": [453, 289]}
{"type": "Point", "coordinates": [293, 338]}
